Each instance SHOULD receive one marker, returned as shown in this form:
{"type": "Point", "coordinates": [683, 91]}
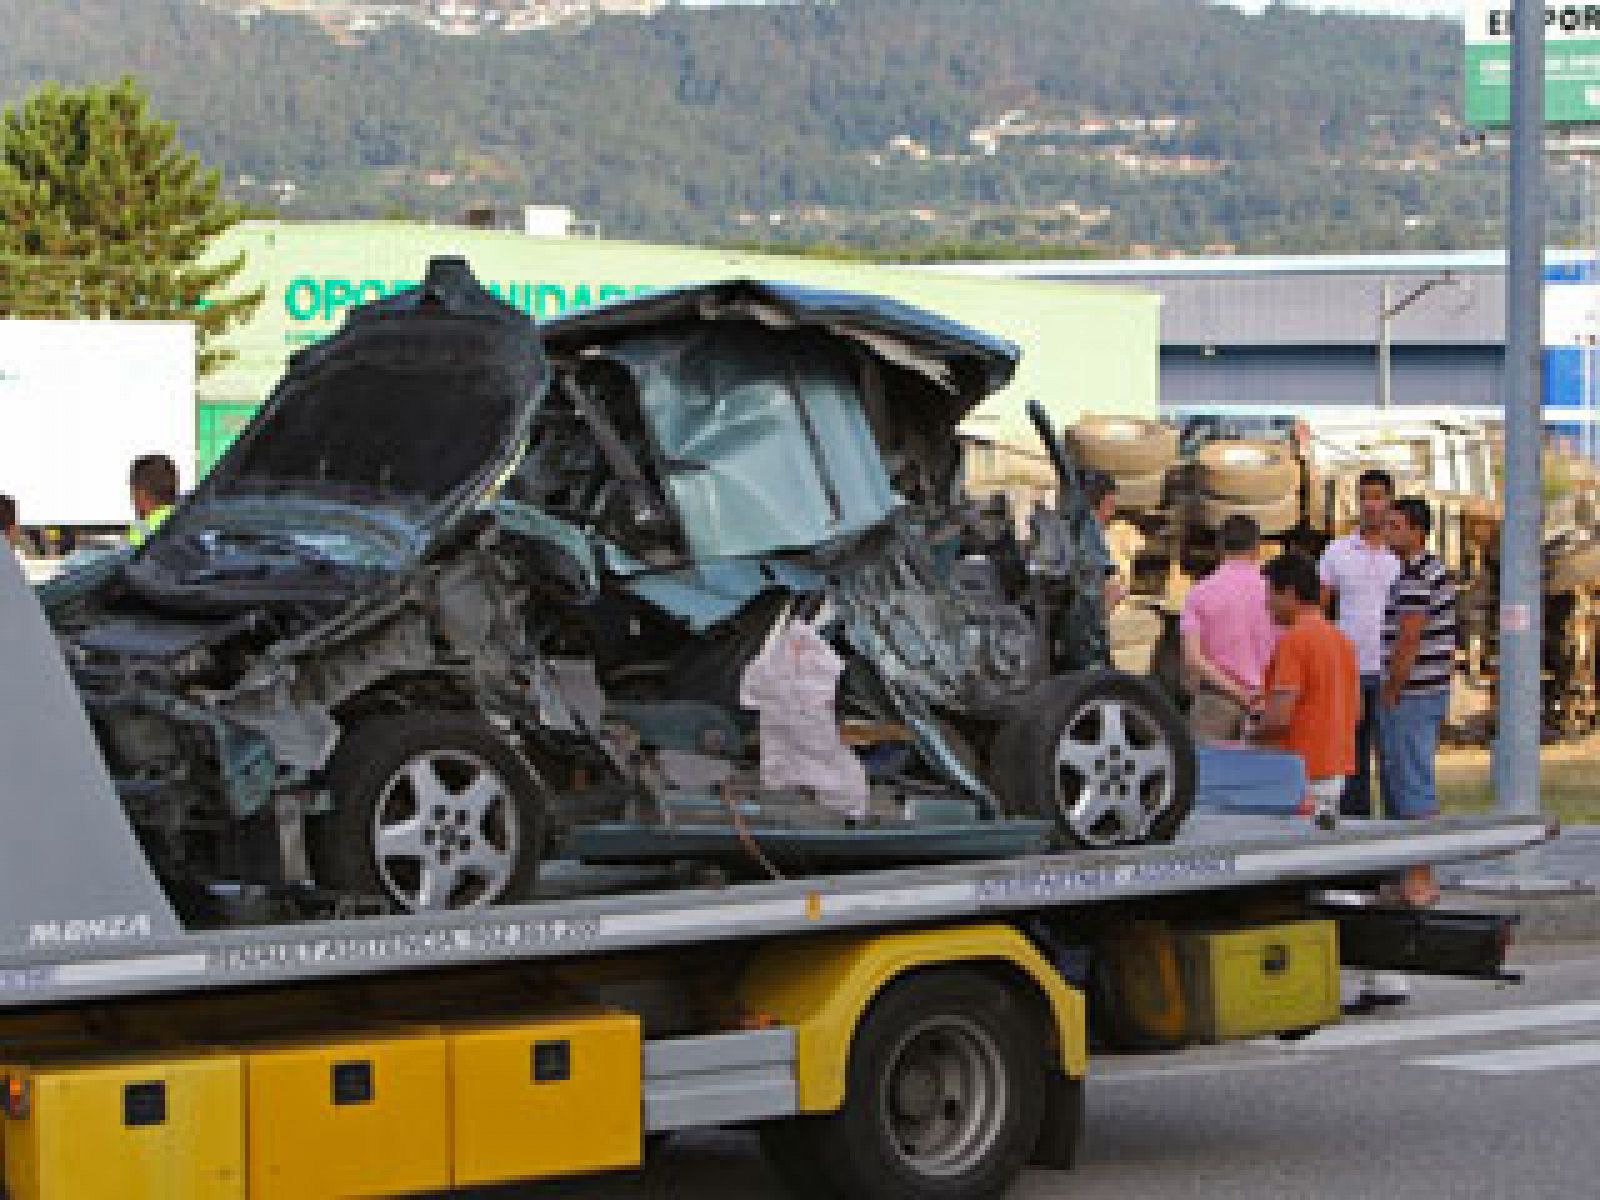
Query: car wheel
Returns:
{"type": "Point", "coordinates": [1103, 755]}
{"type": "Point", "coordinates": [432, 811]}
{"type": "Point", "coordinates": [944, 1097]}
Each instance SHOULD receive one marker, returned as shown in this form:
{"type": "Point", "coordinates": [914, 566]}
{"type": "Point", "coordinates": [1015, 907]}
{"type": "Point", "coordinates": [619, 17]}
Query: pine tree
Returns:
{"type": "Point", "coordinates": [103, 213]}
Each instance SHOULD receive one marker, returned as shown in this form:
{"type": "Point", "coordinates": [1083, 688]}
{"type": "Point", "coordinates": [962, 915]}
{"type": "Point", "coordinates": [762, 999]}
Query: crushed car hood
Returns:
{"type": "Point", "coordinates": [409, 414]}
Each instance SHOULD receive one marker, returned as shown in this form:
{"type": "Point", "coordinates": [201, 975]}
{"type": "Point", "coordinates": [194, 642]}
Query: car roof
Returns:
{"type": "Point", "coordinates": [967, 352]}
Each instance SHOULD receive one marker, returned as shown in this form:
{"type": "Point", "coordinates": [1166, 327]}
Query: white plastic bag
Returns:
{"type": "Point", "coordinates": [791, 683]}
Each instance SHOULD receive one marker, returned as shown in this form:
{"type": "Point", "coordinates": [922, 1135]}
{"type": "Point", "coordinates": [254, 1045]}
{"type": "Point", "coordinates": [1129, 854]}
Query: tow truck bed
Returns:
{"type": "Point", "coordinates": [86, 960]}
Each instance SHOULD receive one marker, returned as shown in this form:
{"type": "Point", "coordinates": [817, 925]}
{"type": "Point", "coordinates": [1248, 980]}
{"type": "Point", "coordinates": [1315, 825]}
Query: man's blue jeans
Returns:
{"type": "Point", "coordinates": [1357, 799]}
{"type": "Point", "coordinates": [1408, 736]}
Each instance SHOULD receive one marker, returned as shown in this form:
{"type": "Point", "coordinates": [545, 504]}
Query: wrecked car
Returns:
{"type": "Point", "coordinates": [690, 576]}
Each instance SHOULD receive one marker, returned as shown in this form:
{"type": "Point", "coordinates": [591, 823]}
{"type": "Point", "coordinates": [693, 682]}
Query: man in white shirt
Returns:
{"type": "Point", "coordinates": [1357, 572]}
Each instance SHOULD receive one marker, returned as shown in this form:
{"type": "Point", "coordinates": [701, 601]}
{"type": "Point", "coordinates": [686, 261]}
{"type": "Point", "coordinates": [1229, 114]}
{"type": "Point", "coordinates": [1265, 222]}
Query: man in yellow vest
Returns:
{"type": "Point", "coordinates": [154, 484]}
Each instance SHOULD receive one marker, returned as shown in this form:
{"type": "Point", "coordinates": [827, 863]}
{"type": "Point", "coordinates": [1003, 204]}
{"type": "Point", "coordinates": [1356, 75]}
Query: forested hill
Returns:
{"type": "Point", "coordinates": [1062, 124]}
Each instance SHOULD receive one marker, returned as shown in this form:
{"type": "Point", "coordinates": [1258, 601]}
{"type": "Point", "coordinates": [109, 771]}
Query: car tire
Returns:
{"type": "Point", "coordinates": [1104, 755]}
{"type": "Point", "coordinates": [945, 1097]}
{"type": "Point", "coordinates": [1123, 446]}
{"type": "Point", "coordinates": [1274, 518]}
{"type": "Point", "coordinates": [1255, 472]}
{"type": "Point", "coordinates": [431, 811]}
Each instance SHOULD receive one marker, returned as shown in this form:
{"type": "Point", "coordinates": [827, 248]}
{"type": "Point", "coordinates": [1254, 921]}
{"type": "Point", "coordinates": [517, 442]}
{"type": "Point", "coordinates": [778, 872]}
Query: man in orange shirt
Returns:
{"type": "Point", "coordinates": [1311, 699]}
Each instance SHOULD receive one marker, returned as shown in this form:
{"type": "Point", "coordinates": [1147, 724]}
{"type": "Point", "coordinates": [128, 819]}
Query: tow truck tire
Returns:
{"type": "Point", "coordinates": [1104, 755]}
{"type": "Point", "coordinates": [436, 792]}
{"type": "Point", "coordinates": [944, 1097]}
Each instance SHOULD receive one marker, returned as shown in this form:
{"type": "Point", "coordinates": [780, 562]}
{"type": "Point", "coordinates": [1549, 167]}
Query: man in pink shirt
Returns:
{"type": "Point", "coordinates": [1228, 635]}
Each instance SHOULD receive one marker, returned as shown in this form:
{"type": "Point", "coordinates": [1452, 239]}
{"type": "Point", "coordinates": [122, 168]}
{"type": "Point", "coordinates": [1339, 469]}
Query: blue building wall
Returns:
{"type": "Point", "coordinates": [1571, 359]}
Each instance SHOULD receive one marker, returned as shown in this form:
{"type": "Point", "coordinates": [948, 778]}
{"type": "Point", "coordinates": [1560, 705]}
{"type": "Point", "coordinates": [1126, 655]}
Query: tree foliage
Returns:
{"type": "Point", "coordinates": [103, 213]}
{"type": "Point", "coordinates": [1331, 132]}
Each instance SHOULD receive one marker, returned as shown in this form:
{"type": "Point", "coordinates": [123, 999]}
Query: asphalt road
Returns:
{"type": "Point", "coordinates": [1475, 1091]}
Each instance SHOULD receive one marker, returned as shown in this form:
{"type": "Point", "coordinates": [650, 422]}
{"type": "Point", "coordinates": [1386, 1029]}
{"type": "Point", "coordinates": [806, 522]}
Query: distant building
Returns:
{"type": "Point", "coordinates": [1247, 335]}
{"type": "Point", "coordinates": [535, 220]}
{"type": "Point", "coordinates": [548, 220]}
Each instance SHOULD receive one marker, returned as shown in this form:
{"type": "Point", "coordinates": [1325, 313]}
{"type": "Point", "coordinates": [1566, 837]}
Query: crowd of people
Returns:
{"type": "Point", "coordinates": [1345, 663]}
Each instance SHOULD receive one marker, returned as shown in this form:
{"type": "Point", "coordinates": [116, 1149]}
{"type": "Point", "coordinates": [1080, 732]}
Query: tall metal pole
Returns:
{"type": "Point", "coordinates": [1586, 333]}
{"type": "Point", "coordinates": [1521, 618]}
{"type": "Point", "coordinates": [1385, 346]}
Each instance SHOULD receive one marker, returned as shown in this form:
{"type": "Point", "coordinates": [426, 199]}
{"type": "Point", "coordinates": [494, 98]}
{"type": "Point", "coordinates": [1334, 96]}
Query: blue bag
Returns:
{"type": "Point", "coordinates": [1247, 779]}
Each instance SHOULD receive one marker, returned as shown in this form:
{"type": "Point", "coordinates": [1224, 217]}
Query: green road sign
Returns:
{"type": "Point", "coordinates": [1571, 63]}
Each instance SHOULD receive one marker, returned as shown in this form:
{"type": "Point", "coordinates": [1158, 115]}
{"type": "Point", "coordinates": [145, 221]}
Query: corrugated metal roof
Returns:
{"type": "Point", "coordinates": [1331, 310]}
{"type": "Point", "coordinates": [1233, 266]}
{"type": "Point", "coordinates": [1309, 300]}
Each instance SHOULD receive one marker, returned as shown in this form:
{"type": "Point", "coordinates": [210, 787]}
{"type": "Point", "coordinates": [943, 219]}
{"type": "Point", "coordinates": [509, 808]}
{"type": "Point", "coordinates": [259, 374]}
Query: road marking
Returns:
{"type": "Point", "coordinates": [1146, 1074]}
{"type": "Point", "coordinates": [1561, 1055]}
{"type": "Point", "coordinates": [1478, 1024]}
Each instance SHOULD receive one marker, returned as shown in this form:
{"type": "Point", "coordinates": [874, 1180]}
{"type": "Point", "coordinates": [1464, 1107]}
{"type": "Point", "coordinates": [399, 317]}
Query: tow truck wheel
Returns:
{"type": "Point", "coordinates": [1104, 755]}
{"type": "Point", "coordinates": [944, 1098]}
{"type": "Point", "coordinates": [432, 811]}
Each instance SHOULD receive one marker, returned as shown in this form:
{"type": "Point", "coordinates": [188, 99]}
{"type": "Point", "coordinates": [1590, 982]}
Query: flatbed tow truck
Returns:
{"type": "Point", "coordinates": [906, 1033]}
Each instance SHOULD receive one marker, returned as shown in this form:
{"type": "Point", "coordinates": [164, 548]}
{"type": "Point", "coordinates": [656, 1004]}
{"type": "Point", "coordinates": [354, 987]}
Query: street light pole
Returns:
{"type": "Point", "coordinates": [1385, 347]}
{"type": "Point", "coordinates": [1521, 616]}
{"type": "Point", "coordinates": [1388, 310]}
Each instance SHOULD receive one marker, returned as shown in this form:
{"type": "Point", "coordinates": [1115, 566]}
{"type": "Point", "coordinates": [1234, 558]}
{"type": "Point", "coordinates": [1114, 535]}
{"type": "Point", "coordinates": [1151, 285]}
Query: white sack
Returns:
{"type": "Point", "coordinates": [791, 683]}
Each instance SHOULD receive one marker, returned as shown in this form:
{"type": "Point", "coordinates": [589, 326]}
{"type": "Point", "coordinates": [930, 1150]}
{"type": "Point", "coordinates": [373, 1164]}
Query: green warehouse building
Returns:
{"type": "Point", "coordinates": [1085, 348]}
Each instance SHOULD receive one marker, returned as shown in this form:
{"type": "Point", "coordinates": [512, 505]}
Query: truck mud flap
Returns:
{"type": "Point", "coordinates": [1465, 945]}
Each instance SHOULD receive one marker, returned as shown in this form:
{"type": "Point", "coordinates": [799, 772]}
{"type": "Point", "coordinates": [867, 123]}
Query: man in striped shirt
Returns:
{"type": "Point", "coordinates": [1419, 652]}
